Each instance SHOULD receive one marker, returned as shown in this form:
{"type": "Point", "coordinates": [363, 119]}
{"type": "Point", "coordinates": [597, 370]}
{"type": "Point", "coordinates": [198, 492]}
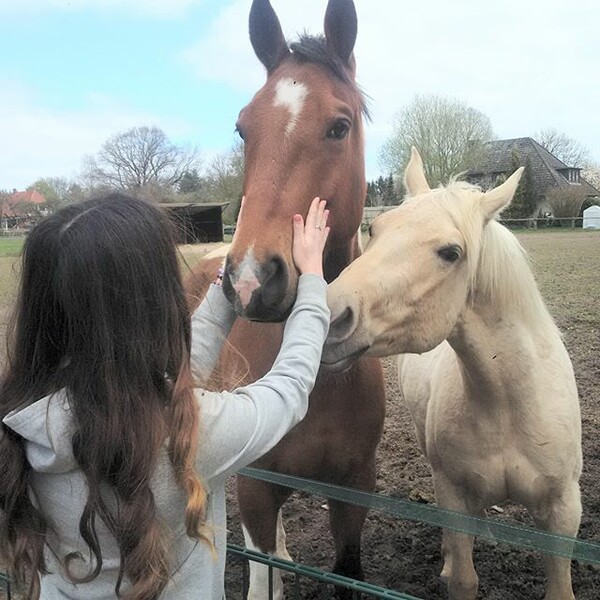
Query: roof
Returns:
{"type": "Point", "coordinates": [12, 204]}
{"type": "Point", "coordinates": [545, 166]}
{"type": "Point", "coordinates": [29, 196]}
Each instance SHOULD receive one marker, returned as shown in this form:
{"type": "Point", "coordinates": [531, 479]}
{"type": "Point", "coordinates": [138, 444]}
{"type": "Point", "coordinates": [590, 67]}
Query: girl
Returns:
{"type": "Point", "coordinates": [112, 463]}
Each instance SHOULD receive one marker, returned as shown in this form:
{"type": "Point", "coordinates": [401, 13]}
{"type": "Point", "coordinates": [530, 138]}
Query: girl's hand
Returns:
{"type": "Point", "coordinates": [310, 238]}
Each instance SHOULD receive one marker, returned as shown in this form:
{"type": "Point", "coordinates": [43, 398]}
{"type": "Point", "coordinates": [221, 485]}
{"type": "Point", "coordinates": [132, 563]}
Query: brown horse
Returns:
{"type": "Point", "coordinates": [303, 137]}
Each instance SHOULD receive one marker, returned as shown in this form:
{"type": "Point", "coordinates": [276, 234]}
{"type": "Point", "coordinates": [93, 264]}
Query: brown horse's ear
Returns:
{"type": "Point", "coordinates": [340, 29]}
{"type": "Point", "coordinates": [266, 35]}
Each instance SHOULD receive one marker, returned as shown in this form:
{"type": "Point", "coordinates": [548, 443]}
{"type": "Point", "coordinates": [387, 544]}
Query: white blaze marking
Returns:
{"type": "Point", "coordinates": [290, 94]}
{"type": "Point", "coordinates": [246, 281]}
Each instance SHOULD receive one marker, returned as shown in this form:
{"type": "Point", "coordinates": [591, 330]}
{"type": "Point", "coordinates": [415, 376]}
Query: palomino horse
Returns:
{"type": "Point", "coordinates": [303, 137]}
{"type": "Point", "coordinates": [488, 380]}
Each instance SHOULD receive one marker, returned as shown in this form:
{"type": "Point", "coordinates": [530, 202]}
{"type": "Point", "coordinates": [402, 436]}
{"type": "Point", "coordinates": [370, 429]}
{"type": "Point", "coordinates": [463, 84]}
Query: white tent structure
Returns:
{"type": "Point", "coordinates": [591, 217]}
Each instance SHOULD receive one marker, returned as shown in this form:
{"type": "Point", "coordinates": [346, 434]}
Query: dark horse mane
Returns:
{"type": "Point", "coordinates": [314, 49]}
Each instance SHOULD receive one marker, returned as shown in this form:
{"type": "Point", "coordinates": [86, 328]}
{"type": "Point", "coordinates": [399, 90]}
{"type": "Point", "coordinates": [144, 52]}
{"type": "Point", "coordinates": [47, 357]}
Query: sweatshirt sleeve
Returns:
{"type": "Point", "coordinates": [240, 426]}
{"type": "Point", "coordinates": [211, 323]}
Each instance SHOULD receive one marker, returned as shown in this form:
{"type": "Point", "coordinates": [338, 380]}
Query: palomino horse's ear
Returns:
{"type": "Point", "coordinates": [414, 175]}
{"type": "Point", "coordinates": [266, 35]}
{"type": "Point", "coordinates": [340, 29]}
{"type": "Point", "coordinates": [493, 201]}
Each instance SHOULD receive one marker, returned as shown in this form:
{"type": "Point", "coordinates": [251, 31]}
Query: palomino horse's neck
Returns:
{"type": "Point", "coordinates": [506, 337]}
{"type": "Point", "coordinates": [338, 258]}
{"type": "Point", "coordinates": [499, 355]}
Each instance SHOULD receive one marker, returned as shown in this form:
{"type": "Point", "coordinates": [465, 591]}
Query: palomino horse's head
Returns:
{"type": "Point", "coordinates": [411, 285]}
{"type": "Point", "coordinates": [303, 137]}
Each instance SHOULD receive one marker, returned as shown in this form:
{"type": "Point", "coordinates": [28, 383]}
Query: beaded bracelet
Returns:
{"type": "Point", "coordinates": [219, 278]}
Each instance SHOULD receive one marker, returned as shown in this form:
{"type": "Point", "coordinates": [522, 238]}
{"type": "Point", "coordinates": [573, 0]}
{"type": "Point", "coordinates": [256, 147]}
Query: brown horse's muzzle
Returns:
{"type": "Point", "coordinates": [259, 291]}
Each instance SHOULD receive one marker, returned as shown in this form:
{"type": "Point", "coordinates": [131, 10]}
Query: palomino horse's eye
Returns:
{"type": "Point", "coordinates": [340, 130]}
{"type": "Point", "coordinates": [450, 253]}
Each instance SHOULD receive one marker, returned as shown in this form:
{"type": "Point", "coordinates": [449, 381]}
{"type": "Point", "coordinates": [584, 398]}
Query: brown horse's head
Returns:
{"type": "Point", "coordinates": [303, 138]}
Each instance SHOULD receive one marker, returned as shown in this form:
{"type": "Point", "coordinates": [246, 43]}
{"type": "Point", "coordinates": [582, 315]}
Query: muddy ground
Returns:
{"type": "Point", "coordinates": [405, 556]}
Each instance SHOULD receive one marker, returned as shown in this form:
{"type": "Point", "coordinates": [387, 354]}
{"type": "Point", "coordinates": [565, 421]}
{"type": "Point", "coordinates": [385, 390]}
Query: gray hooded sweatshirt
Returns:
{"type": "Point", "coordinates": [236, 428]}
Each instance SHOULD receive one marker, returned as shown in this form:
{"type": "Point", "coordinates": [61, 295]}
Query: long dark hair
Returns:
{"type": "Point", "coordinates": [101, 313]}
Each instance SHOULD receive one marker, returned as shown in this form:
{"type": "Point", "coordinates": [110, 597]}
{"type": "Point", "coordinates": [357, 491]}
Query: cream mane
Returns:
{"type": "Point", "coordinates": [499, 267]}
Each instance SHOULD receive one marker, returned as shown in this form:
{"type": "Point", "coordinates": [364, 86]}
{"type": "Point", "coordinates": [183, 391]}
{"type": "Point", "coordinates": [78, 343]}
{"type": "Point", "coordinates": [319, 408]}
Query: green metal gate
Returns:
{"type": "Point", "coordinates": [491, 529]}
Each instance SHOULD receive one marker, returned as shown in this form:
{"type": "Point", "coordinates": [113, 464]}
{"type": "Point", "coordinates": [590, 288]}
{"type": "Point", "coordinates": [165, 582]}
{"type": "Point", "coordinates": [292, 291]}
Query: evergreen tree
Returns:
{"type": "Point", "coordinates": [190, 182]}
{"type": "Point", "coordinates": [389, 194]}
{"type": "Point", "coordinates": [380, 187]}
{"type": "Point", "coordinates": [371, 199]}
{"type": "Point", "coordinates": [524, 201]}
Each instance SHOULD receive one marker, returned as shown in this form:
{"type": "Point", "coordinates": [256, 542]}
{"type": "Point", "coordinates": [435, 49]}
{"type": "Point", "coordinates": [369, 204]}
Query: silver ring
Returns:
{"type": "Point", "coordinates": [318, 227]}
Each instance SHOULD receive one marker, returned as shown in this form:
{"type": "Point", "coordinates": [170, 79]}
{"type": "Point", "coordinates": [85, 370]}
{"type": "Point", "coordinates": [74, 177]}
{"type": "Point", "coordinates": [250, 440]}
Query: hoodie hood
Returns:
{"type": "Point", "coordinates": [47, 427]}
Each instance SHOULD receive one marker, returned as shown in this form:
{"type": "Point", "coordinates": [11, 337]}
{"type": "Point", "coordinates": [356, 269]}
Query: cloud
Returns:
{"type": "Point", "coordinates": [49, 143]}
{"type": "Point", "coordinates": [225, 54]}
{"type": "Point", "coordinates": [525, 67]}
{"type": "Point", "coordinates": [149, 8]}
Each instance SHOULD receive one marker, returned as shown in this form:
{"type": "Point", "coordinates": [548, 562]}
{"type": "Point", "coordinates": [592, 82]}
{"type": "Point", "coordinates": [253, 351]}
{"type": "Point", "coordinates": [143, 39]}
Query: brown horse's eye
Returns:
{"type": "Point", "coordinates": [340, 130]}
{"type": "Point", "coordinates": [450, 253]}
{"type": "Point", "coordinates": [239, 131]}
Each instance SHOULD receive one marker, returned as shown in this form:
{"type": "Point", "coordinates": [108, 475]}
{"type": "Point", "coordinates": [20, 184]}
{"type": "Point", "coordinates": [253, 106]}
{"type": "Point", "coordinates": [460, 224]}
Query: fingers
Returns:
{"type": "Point", "coordinates": [314, 217]}
{"type": "Point", "coordinates": [310, 237]}
{"type": "Point", "coordinates": [323, 220]}
{"type": "Point", "coordinates": [325, 236]}
{"type": "Point", "coordinates": [298, 226]}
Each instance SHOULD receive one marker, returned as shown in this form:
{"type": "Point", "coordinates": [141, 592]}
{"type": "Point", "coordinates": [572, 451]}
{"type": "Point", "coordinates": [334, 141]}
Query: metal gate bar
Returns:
{"type": "Point", "coordinates": [525, 537]}
{"type": "Point", "coordinates": [316, 574]}
{"type": "Point", "coordinates": [5, 583]}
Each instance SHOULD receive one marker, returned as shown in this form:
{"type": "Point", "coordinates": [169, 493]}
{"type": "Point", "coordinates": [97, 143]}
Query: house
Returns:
{"type": "Point", "coordinates": [547, 171]}
{"type": "Point", "coordinates": [21, 210]}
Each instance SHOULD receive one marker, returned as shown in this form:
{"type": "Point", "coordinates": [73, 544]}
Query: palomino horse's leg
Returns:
{"type": "Point", "coordinates": [457, 548]}
{"type": "Point", "coordinates": [559, 515]}
{"type": "Point", "coordinates": [260, 508]}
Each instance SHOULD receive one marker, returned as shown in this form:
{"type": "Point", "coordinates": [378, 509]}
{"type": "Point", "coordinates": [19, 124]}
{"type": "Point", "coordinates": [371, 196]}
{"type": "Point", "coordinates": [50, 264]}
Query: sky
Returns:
{"type": "Point", "coordinates": [75, 72]}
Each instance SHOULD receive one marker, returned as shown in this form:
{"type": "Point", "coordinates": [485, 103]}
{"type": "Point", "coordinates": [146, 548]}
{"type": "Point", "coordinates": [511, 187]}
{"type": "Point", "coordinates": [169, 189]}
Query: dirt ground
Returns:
{"type": "Point", "coordinates": [405, 556]}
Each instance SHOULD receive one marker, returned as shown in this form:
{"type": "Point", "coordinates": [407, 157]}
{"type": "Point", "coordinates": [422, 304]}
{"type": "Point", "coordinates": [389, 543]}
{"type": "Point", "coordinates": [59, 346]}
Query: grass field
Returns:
{"type": "Point", "coordinates": [567, 269]}
{"type": "Point", "coordinates": [566, 265]}
{"type": "Point", "coordinates": [10, 246]}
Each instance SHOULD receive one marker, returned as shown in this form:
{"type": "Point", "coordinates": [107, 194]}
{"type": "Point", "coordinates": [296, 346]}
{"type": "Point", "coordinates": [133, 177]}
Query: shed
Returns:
{"type": "Point", "coordinates": [196, 223]}
{"type": "Point", "coordinates": [591, 217]}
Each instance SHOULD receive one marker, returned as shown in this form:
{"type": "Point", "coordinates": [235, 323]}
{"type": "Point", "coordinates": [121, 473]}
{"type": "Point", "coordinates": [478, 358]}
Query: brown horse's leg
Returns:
{"type": "Point", "coordinates": [346, 525]}
{"type": "Point", "coordinates": [260, 505]}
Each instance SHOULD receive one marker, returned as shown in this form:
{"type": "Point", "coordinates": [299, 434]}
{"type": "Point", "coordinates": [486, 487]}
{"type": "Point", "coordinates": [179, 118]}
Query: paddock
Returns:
{"type": "Point", "coordinates": [404, 555]}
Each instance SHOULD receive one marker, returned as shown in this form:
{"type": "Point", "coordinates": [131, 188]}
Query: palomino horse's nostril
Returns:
{"type": "Point", "coordinates": [343, 325]}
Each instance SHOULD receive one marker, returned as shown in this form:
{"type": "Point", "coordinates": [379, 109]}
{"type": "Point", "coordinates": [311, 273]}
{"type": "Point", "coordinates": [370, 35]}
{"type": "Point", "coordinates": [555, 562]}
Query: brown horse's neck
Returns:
{"type": "Point", "coordinates": [339, 257]}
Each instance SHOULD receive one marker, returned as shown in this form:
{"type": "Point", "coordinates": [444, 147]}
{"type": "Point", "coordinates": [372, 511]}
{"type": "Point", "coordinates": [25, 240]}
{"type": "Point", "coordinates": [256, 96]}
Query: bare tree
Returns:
{"type": "Point", "coordinates": [142, 157]}
{"type": "Point", "coordinates": [566, 149]}
{"type": "Point", "coordinates": [58, 191]}
{"type": "Point", "coordinates": [591, 173]}
{"type": "Point", "coordinates": [225, 180]}
{"type": "Point", "coordinates": [449, 135]}
{"type": "Point", "coordinates": [565, 201]}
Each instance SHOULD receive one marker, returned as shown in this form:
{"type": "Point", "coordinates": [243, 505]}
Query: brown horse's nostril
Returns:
{"type": "Point", "coordinates": [274, 281]}
{"type": "Point", "coordinates": [343, 325]}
